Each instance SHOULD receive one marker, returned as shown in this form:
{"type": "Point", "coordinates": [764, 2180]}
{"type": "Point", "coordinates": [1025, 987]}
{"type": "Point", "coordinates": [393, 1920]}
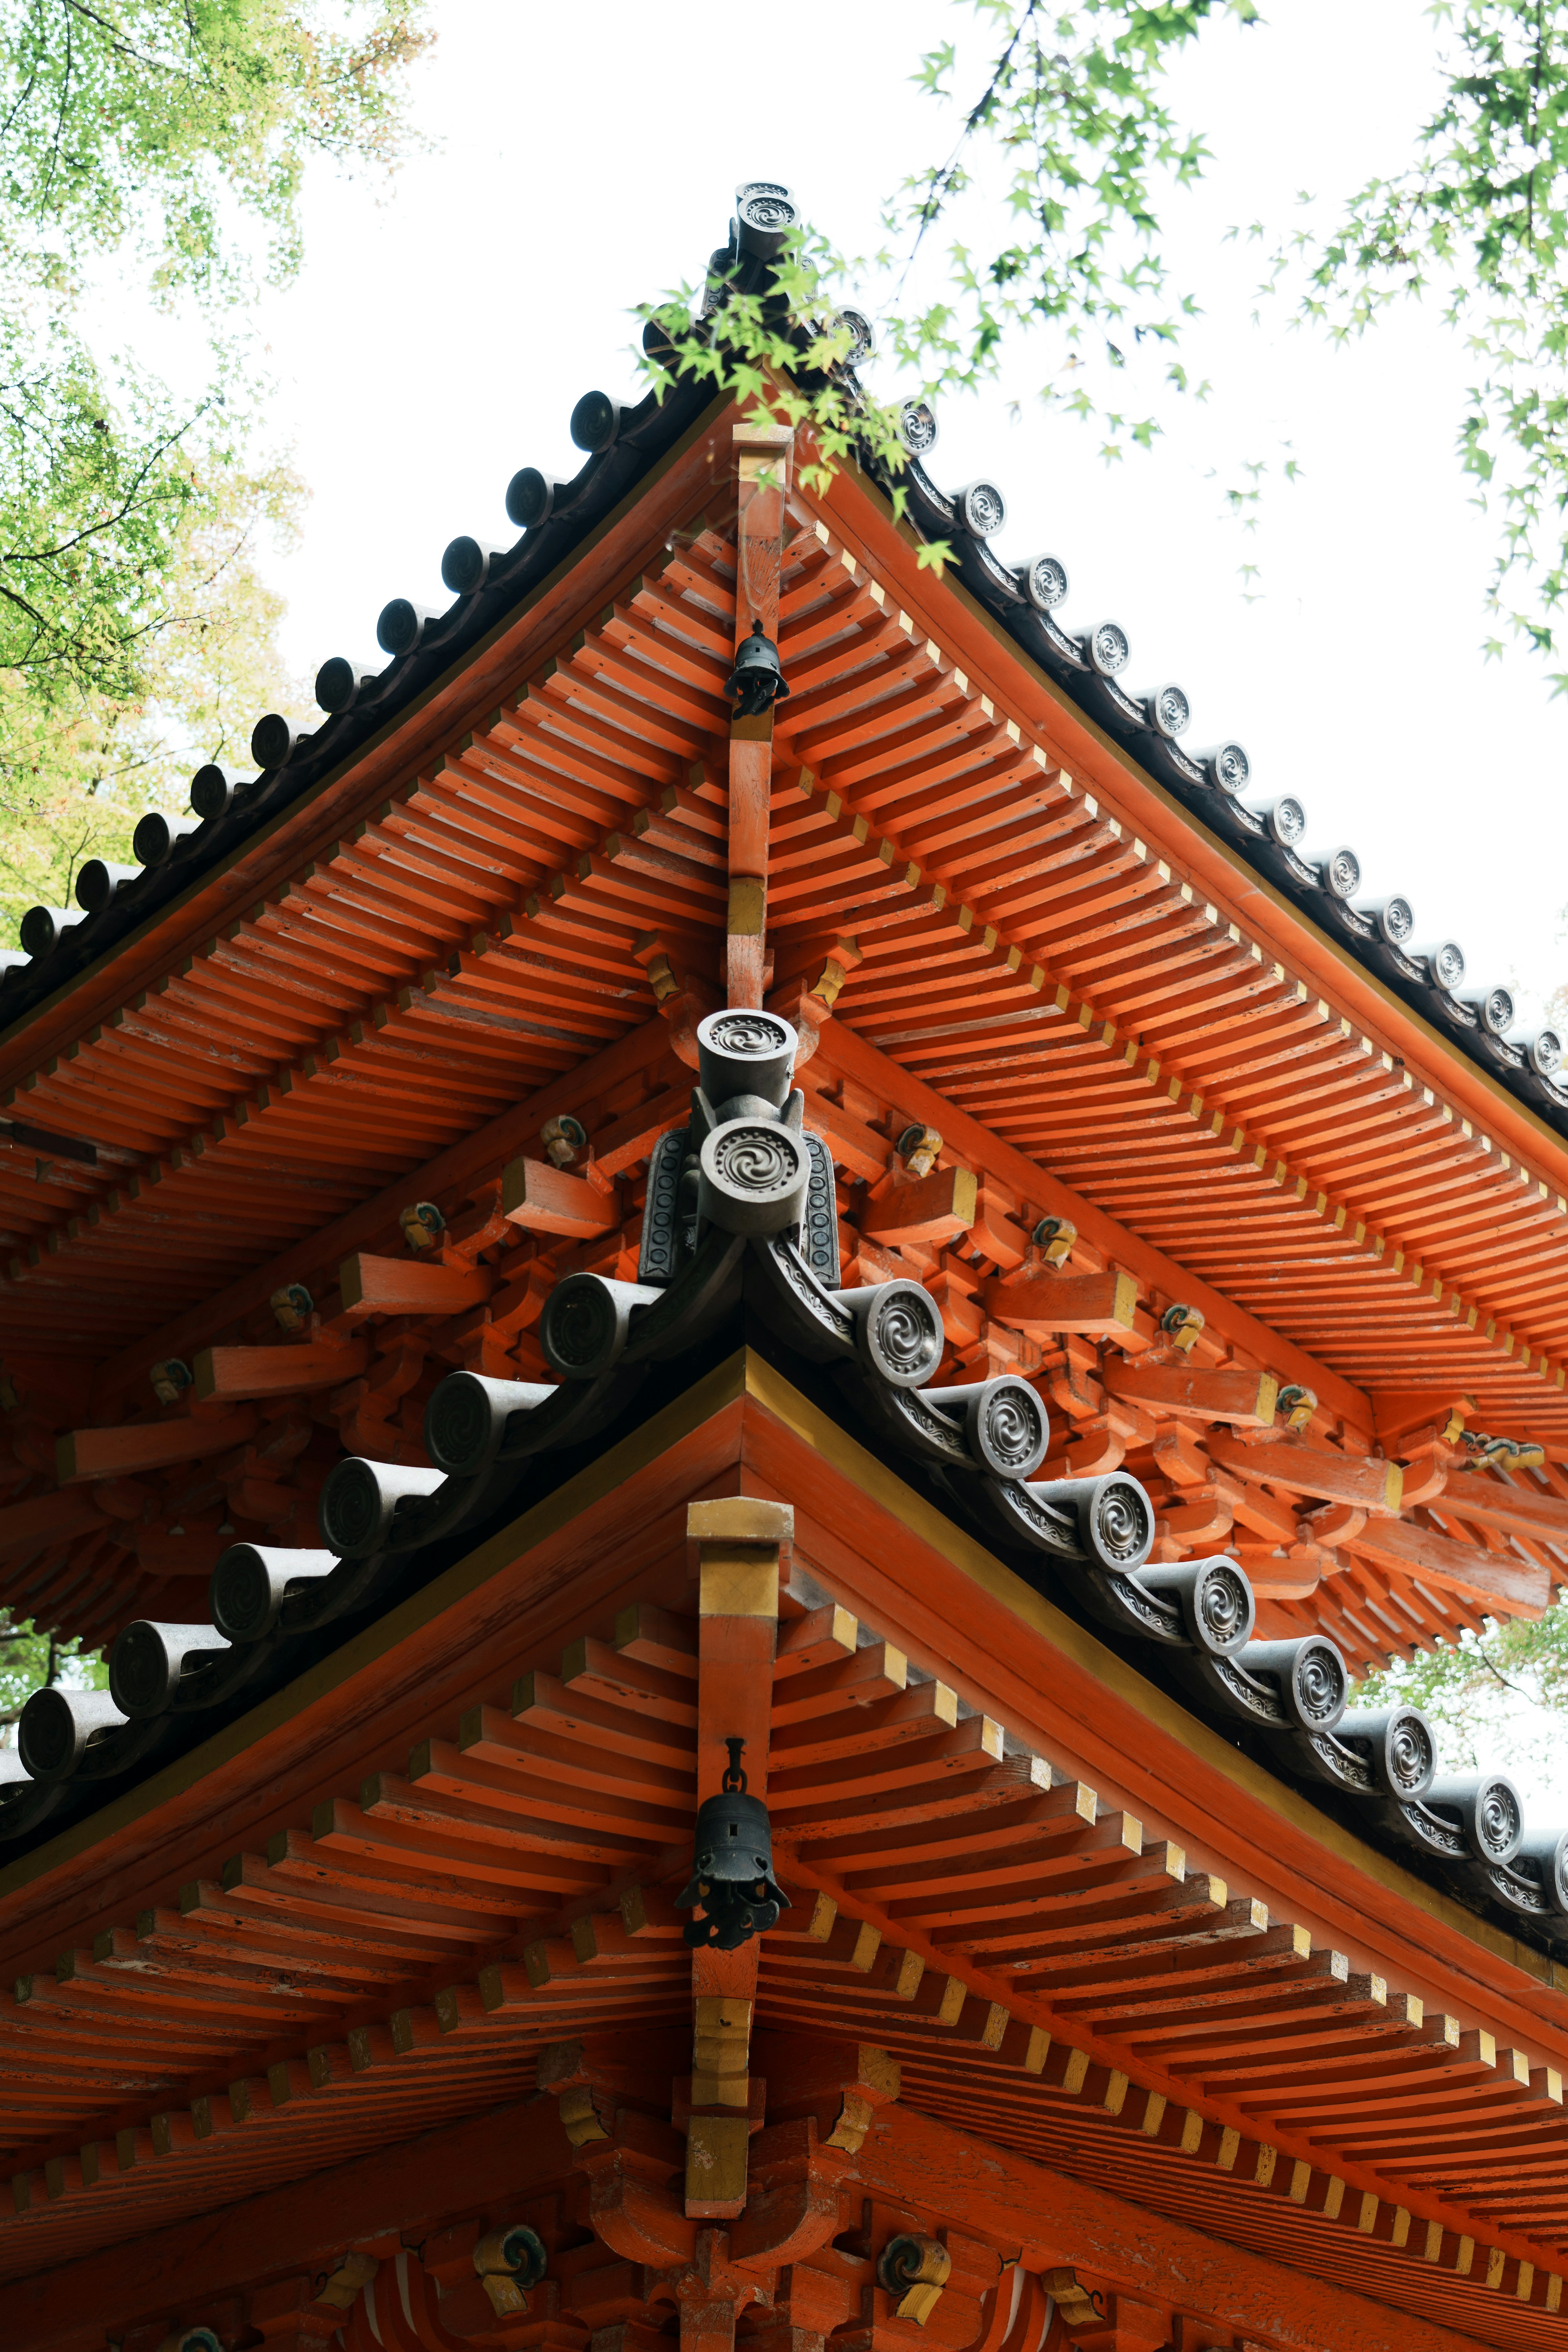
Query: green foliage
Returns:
{"type": "Point", "coordinates": [1072, 103]}
{"type": "Point", "coordinates": [135, 632]}
{"type": "Point", "coordinates": [1069, 152]}
{"type": "Point", "coordinates": [1481, 217]}
{"type": "Point", "coordinates": [79, 760]}
{"type": "Point", "coordinates": [96, 492]}
{"type": "Point", "coordinates": [30, 1660]}
{"type": "Point", "coordinates": [762, 348]}
{"type": "Point", "coordinates": [1521, 1666]}
{"type": "Point", "coordinates": [157, 123]}
{"type": "Point", "coordinates": [1073, 109]}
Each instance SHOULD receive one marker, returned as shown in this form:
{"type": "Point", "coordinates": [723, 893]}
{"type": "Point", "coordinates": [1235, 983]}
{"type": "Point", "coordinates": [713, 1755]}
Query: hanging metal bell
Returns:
{"type": "Point", "coordinates": [756, 681]}
{"type": "Point", "coordinates": [732, 1868]}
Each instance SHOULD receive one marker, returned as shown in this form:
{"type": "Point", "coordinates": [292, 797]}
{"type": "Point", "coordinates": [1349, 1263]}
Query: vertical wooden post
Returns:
{"type": "Point", "coordinates": [740, 1546]}
{"type": "Point", "coordinates": [761, 465]}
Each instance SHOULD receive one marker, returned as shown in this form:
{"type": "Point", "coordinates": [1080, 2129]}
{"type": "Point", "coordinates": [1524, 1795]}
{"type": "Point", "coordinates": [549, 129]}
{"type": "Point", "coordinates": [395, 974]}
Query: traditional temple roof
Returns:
{"type": "Point", "coordinates": [374, 1053]}
{"type": "Point", "coordinates": [1088, 660]}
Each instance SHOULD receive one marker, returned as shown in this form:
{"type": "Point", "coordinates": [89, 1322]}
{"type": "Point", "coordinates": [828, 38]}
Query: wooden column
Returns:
{"type": "Point", "coordinates": [761, 465]}
{"type": "Point", "coordinates": [740, 1542]}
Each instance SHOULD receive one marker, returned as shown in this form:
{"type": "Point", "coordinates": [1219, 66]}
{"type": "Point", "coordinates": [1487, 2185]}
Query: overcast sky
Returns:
{"type": "Point", "coordinates": [440, 334]}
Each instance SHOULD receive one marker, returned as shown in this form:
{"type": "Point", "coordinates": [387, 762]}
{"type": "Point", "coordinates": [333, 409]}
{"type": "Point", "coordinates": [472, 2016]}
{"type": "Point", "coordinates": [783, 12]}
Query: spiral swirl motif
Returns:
{"type": "Point", "coordinates": [241, 1594]}
{"type": "Point", "coordinates": [1288, 821]}
{"type": "Point", "coordinates": [1047, 582]}
{"type": "Point", "coordinates": [755, 1159]}
{"type": "Point", "coordinates": [917, 427]}
{"type": "Point", "coordinates": [1172, 711]}
{"type": "Point", "coordinates": [350, 1511]}
{"type": "Point", "coordinates": [766, 208]}
{"type": "Point", "coordinates": [861, 337]}
{"type": "Point", "coordinates": [1222, 1605]}
{"type": "Point", "coordinates": [46, 1734]}
{"type": "Point", "coordinates": [1546, 1053]}
{"type": "Point", "coordinates": [1497, 1014]}
{"type": "Point", "coordinates": [1013, 1433]}
{"type": "Point", "coordinates": [139, 1670]}
{"type": "Point", "coordinates": [1122, 1525]}
{"type": "Point", "coordinates": [1398, 921]}
{"type": "Point", "coordinates": [1555, 1875]}
{"type": "Point", "coordinates": [529, 498]}
{"type": "Point", "coordinates": [903, 1334]}
{"type": "Point", "coordinates": [577, 1329]}
{"type": "Point", "coordinates": [1498, 1824]}
{"type": "Point", "coordinates": [524, 2252]}
{"type": "Point", "coordinates": [1230, 769]}
{"type": "Point", "coordinates": [1448, 964]}
{"type": "Point", "coordinates": [746, 1034]}
{"type": "Point", "coordinates": [984, 510]}
{"type": "Point", "coordinates": [906, 2262]}
{"type": "Point", "coordinates": [1341, 875]}
{"type": "Point", "coordinates": [457, 1422]}
{"type": "Point", "coordinates": [1321, 1688]}
{"type": "Point", "coordinates": [1411, 1753]}
{"type": "Point", "coordinates": [1109, 649]}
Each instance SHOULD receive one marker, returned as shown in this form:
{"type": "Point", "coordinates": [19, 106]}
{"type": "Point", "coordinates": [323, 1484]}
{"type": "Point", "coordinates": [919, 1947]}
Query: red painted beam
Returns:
{"type": "Point", "coordinates": [84, 1454]}
{"type": "Point", "coordinates": [844, 1054]}
{"type": "Point", "coordinates": [481, 2165]}
{"type": "Point", "coordinates": [908, 2159]}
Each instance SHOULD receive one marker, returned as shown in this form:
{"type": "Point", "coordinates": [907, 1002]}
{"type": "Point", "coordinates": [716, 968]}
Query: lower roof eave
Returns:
{"type": "Point", "coordinates": [884, 1549]}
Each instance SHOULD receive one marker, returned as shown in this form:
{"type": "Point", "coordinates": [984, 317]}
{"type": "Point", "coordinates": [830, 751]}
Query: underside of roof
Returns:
{"type": "Point", "coordinates": [1088, 1931]}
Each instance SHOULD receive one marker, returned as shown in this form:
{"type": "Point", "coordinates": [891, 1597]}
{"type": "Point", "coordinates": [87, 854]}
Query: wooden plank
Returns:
{"type": "Point", "coordinates": [147, 1445]}
{"type": "Point", "coordinates": [1101, 1306]}
{"type": "Point", "coordinates": [396, 1285]}
{"type": "Point", "coordinates": [1363, 1479]}
{"type": "Point", "coordinates": [1518, 1510]}
{"type": "Point", "coordinates": [994, 667]}
{"type": "Point", "coordinates": [909, 2161]}
{"type": "Point", "coordinates": [222, 1372]}
{"type": "Point", "coordinates": [557, 604]}
{"type": "Point", "coordinates": [931, 1209]}
{"type": "Point", "coordinates": [549, 1200]}
{"type": "Point", "coordinates": [844, 1054]}
{"type": "Point", "coordinates": [409, 2189]}
{"type": "Point", "coordinates": [1247, 1399]}
{"type": "Point", "coordinates": [449, 1174]}
{"type": "Point", "coordinates": [47, 1518]}
{"type": "Point", "coordinates": [1500, 1580]}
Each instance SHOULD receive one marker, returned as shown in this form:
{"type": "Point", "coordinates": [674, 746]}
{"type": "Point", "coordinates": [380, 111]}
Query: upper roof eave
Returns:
{"type": "Point", "coordinates": [859, 510]}
{"type": "Point", "coordinates": [228, 862]}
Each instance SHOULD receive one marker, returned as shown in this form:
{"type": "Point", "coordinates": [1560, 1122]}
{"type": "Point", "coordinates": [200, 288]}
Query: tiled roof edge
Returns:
{"type": "Point", "coordinates": [1087, 665]}
{"type": "Point", "coordinates": [175, 855]}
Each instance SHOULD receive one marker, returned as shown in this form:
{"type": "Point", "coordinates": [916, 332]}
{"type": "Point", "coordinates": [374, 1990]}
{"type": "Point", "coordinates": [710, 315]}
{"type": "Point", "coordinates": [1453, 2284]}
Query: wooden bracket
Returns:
{"type": "Point", "coordinates": [741, 1545]}
{"type": "Point", "coordinates": [762, 468]}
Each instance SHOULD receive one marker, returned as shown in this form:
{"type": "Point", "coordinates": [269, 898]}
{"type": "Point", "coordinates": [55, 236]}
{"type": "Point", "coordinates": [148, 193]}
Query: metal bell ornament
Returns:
{"type": "Point", "coordinates": [756, 681]}
{"type": "Point", "coordinates": [732, 1866]}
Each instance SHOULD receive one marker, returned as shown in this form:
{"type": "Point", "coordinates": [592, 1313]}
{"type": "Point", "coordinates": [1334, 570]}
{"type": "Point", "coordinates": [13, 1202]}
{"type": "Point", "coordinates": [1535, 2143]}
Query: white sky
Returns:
{"type": "Point", "coordinates": [440, 336]}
